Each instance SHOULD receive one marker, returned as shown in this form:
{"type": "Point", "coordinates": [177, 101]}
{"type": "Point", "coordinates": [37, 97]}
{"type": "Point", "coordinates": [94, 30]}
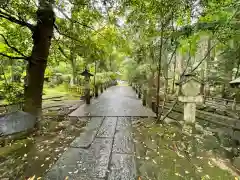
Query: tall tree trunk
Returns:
{"type": "Point", "coordinates": [203, 49]}
{"type": "Point", "coordinates": [165, 71]}
{"type": "Point", "coordinates": [227, 79]}
{"type": "Point", "coordinates": [174, 73]}
{"type": "Point", "coordinates": [238, 65]}
{"type": "Point", "coordinates": [73, 64]}
{"type": "Point", "coordinates": [180, 70]}
{"type": "Point", "coordinates": [159, 70]}
{"type": "Point", "coordinates": [42, 36]}
{"type": "Point", "coordinates": [206, 70]}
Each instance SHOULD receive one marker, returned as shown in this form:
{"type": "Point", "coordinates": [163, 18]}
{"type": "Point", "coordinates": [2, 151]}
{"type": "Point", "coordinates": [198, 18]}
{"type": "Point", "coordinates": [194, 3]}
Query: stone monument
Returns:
{"type": "Point", "coordinates": [16, 122]}
{"type": "Point", "coordinates": [190, 95]}
{"type": "Point", "coordinates": [87, 76]}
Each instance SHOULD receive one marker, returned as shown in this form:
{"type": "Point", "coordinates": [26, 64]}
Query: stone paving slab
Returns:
{"type": "Point", "coordinates": [115, 101]}
{"type": "Point", "coordinates": [77, 162]}
{"type": "Point", "coordinates": [108, 127]}
{"type": "Point", "coordinates": [123, 142]}
{"type": "Point", "coordinates": [89, 134]}
{"type": "Point", "coordinates": [122, 167]}
{"type": "Point", "coordinates": [123, 123]}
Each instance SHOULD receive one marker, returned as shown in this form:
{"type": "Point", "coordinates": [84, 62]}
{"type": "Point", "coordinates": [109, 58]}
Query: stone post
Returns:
{"type": "Point", "coordinates": [144, 98]}
{"type": "Point", "coordinates": [101, 89]}
{"type": "Point", "coordinates": [136, 88]}
{"type": "Point", "coordinates": [87, 89]}
{"type": "Point", "coordinates": [87, 76]}
{"type": "Point", "coordinates": [154, 105]}
{"type": "Point", "coordinates": [96, 91]}
{"type": "Point", "coordinates": [139, 92]}
{"type": "Point", "coordinates": [190, 95]}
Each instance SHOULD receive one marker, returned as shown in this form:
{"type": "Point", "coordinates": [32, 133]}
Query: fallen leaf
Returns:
{"type": "Point", "coordinates": [31, 178]}
{"type": "Point", "coordinates": [75, 172]}
{"type": "Point", "coordinates": [42, 165]}
{"type": "Point", "coordinates": [66, 178]}
{"type": "Point", "coordinates": [154, 161]}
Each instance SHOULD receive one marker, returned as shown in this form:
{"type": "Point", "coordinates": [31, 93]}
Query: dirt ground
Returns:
{"type": "Point", "coordinates": [34, 153]}
{"type": "Point", "coordinates": [164, 152]}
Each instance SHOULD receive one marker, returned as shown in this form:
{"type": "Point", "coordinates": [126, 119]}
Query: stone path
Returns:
{"type": "Point", "coordinates": [115, 101]}
{"type": "Point", "coordinates": [105, 150]}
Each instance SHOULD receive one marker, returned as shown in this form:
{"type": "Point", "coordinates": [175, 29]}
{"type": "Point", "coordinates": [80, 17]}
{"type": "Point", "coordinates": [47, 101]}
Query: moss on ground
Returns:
{"type": "Point", "coordinates": [34, 155]}
{"type": "Point", "coordinates": [163, 152]}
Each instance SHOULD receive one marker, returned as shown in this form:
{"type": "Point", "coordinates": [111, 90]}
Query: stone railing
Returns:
{"type": "Point", "coordinates": [206, 116]}
{"type": "Point", "coordinates": [93, 91]}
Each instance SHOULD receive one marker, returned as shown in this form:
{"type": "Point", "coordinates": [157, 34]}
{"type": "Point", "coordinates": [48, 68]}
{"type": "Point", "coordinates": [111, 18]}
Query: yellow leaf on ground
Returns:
{"type": "Point", "coordinates": [31, 178]}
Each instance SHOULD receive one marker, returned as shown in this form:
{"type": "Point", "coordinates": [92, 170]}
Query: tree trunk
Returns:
{"type": "Point", "coordinates": [206, 72]}
{"type": "Point", "coordinates": [37, 64]}
{"type": "Point", "coordinates": [73, 64]}
{"type": "Point", "coordinates": [180, 70]}
{"type": "Point", "coordinates": [174, 73]}
{"type": "Point", "coordinates": [159, 69]}
{"type": "Point", "coordinates": [165, 70]}
{"type": "Point", "coordinates": [226, 86]}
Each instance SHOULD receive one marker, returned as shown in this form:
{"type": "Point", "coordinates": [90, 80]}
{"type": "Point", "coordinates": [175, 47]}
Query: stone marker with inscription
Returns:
{"type": "Point", "coordinates": [16, 122]}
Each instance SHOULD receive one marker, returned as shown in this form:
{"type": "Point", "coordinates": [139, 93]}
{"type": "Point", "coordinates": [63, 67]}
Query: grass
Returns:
{"type": "Point", "coordinates": [163, 152]}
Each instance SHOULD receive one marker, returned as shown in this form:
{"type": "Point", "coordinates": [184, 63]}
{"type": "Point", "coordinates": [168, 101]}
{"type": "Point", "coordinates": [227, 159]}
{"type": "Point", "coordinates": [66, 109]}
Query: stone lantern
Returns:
{"type": "Point", "coordinates": [190, 95]}
{"type": "Point", "coordinates": [87, 76]}
{"type": "Point", "coordinates": [236, 85]}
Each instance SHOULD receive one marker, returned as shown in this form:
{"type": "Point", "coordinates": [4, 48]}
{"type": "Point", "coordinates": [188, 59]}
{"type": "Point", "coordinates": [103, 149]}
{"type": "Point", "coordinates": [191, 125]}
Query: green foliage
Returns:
{"type": "Point", "coordinates": [124, 37]}
{"type": "Point", "coordinates": [13, 92]}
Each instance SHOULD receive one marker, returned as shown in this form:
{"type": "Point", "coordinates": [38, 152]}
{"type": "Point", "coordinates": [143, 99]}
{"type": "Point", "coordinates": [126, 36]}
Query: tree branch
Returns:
{"type": "Point", "coordinates": [206, 55]}
{"type": "Point", "coordinates": [66, 35]}
{"type": "Point", "coordinates": [74, 21]}
{"type": "Point", "coordinates": [13, 57]}
{"type": "Point", "coordinates": [15, 20]}
{"type": "Point", "coordinates": [13, 48]}
{"type": "Point", "coordinates": [62, 51]}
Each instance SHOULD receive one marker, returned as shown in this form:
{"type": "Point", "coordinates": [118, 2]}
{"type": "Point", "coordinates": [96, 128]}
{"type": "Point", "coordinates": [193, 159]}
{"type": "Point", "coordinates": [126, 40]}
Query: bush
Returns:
{"type": "Point", "coordinates": [13, 92]}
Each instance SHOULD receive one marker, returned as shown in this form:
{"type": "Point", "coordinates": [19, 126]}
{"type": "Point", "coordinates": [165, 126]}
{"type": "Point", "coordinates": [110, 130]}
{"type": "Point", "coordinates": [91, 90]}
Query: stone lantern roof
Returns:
{"type": "Point", "coordinates": [187, 77]}
{"type": "Point", "coordinates": [235, 82]}
{"type": "Point", "coordinates": [86, 73]}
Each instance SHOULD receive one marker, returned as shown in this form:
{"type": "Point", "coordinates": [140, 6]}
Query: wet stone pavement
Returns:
{"type": "Point", "coordinates": [115, 101]}
{"type": "Point", "coordinates": [105, 150]}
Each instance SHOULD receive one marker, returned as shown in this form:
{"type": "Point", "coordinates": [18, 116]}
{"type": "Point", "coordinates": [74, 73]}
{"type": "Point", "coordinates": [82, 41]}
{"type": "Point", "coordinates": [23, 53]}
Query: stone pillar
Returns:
{"type": "Point", "coordinates": [154, 105]}
{"type": "Point", "coordinates": [96, 91]}
{"type": "Point", "coordinates": [139, 92]}
{"type": "Point", "coordinates": [190, 110]}
{"type": "Point", "coordinates": [144, 98]}
{"type": "Point", "coordinates": [87, 90]}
